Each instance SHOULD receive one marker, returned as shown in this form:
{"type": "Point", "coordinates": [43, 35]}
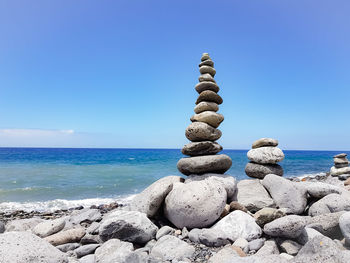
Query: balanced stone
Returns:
{"type": "Point", "coordinates": [205, 56]}
{"type": "Point", "coordinates": [261, 170]}
{"type": "Point", "coordinates": [342, 160]}
{"type": "Point", "coordinates": [340, 155]}
{"type": "Point", "coordinates": [200, 131]}
{"type": "Point", "coordinates": [206, 85]}
{"type": "Point", "coordinates": [339, 171]}
{"type": "Point", "coordinates": [209, 95]}
{"type": "Point", "coordinates": [341, 165]}
{"type": "Point", "coordinates": [204, 164]}
{"type": "Point", "coordinates": [264, 142]}
{"type": "Point", "coordinates": [212, 118]}
{"type": "Point", "coordinates": [207, 69]}
{"type": "Point", "coordinates": [206, 106]}
{"type": "Point", "coordinates": [201, 148]}
{"type": "Point", "coordinates": [207, 62]}
{"type": "Point", "coordinates": [266, 155]}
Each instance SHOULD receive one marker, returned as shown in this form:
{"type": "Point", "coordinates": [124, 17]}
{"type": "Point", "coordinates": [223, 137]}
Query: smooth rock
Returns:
{"type": "Point", "coordinates": [207, 69]}
{"type": "Point", "coordinates": [252, 195]}
{"type": "Point", "coordinates": [285, 193]}
{"type": "Point", "coordinates": [206, 106]}
{"type": "Point", "coordinates": [267, 215]}
{"type": "Point", "coordinates": [67, 236]}
{"type": "Point", "coordinates": [266, 155]}
{"type": "Point", "coordinates": [207, 76]}
{"type": "Point", "coordinates": [49, 227]}
{"type": "Point", "coordinates": [132, 226]}
{"type": "Point", "coordinates": [90, 239]}
{"type": "Point", "coordinates": [206, 85]}
{"type": "Point", "coordinates": [330, 204]}
{"type": "Point", "coordinates": [200, 131]}
{"type": "Point", "coordinates": [234, 205]}
{"type": "Point", "coordinates": [210, 96]}
{"type": "Point", "coordinates": [210, 117]}
{"type": "Point", "coordinates": [195, 204]}
{"type": "Point", "coordinates": [256, 244]}
{"type": "Point", "coordinates": [224, 255]}
{"type": "Point", "coordinates": [242, 243]}
{"type": "Point", "coordinates": [2, 227]}
{"type": "Point", "coordinates": [341, 165]}
{"type": "Point", "coordinates": [25, 247]}
{"type": "Point", "coordinates": [269, 248]}
{"type": "Point", "coordinates": [86, 250]}
{"type": "Point", "coordinates": [320, 189]}
{"type": "Point", "coordinates": [343, 176]}
{"type": "Point", "coordinates": [327, 224]}
{"type": "Point", "coordinates": [165, 230]}
{"type": "Point", "coordinates": [150, 200]}
{"type": "Point", "coordinates": [87, 259]}
{"type": "Point", "coordinates": [207, 62]}
{"type": "Point", "coordinates": [68, 247]}
{"type": "Point", "coordinates": [286, 256]}
{"type": "Point", "coordinates": [344, 224]}
{"type": "Point", "coordinates": [204, 164]}
{"type": "Point", "coordinates": [264, 142]}
{"type": "Point", "coordinates": [112, 251]}
{"type": "Point", "coordinates": [85, 215]}
{"type": "Point", "coordinates": [201, 148]}
{"type": "Point", "coordinates": [209, 237]}
{"type": "Point", "coordinates": [340, 155]}
{"type": "Point", "coordinates": [307, 234]}
{"type": "Point", "coordinates": [23, 224]}
{"type": "Point", "coordinates": [205, 56]}
{"type": "Point", "coordinates": [338, 171]}
{"type": "Point", "coordinates": [289, 246]}
{"type": "Point", "coordinates": [256, 170]}
{"type": "Point", "coordinates": [342, 160]}
{"type": "Point", "coordinates": [290, 226]}
{"type": "Point", "coordinates": [93, 228]}
{"type": "Point", "coordinates": [171, 248]}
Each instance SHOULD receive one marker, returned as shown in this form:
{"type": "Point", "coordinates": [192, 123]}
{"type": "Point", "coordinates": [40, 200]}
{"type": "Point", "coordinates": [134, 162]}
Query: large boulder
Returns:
{"type": "Point", "coordinates": [320, 189]}
{"type": "Point", "coordinates": [266, 155]}
{"type": "Point", "coordinates": [201, 148]}
{"type": "Point", "coordinates": [285, 193]}
{"type": "Point", "coordinates": [132, 226]}
{"type": "Point", "coordinates": [330, 204]}
{"type": "Point", "coordinates": [150, 200]}
{"type": "Point", "coordinates": [200, 131]}
{"type": "Point", "coordinates": [49, 227]}
{"type": "Point", "coordinates": [67, 236]}
{"type": "Point", "coordinates": [195, 204]}
{"type": "Point", "coordinates": [23, 224]}
{"type": "Point", "coordinates": [20, 247]}
{"type": "Point", "coordinates": [114, 250]}
{"type": "Point", "coordinates": [344, 224]}
{"type": "Point", "coordinates": [256, 170]}
{"type": "Point", "coordinates": [327, 224]}
{"type": "Point", "coordinates": [290, 226]}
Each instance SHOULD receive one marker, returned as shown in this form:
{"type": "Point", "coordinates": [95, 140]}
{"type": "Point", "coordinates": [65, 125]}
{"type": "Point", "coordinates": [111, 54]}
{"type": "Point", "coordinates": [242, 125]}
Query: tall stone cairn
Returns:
{"type": "Point", "coordinates": [203, 132]}
{"type": "Point", "coordinates": [341, 167]}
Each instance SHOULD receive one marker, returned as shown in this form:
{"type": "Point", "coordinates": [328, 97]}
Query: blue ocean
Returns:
{"type": "Point", "coordinates": [50, 178]}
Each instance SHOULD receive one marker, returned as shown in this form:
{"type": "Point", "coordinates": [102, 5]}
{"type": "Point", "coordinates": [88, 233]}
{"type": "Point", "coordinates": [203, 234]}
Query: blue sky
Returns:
{"type": "Point", "coordinates": [122, 73]}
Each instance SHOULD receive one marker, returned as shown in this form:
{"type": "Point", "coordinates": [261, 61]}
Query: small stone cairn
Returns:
{"type": "Point", "coordinates": [203, 131]}
{"type": "Point", "coordinates": [264, 157]}
{"type": "Point", "coordinates": [341, 167]}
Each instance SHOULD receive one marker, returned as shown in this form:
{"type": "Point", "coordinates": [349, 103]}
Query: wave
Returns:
{"type": "Point", "coordinates": [310, 175]}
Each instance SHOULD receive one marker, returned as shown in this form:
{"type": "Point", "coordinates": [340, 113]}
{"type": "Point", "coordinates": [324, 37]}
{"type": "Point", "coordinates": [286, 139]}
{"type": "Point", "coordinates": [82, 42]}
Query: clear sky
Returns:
{"type": "Point", "coordinates": [122, 73]}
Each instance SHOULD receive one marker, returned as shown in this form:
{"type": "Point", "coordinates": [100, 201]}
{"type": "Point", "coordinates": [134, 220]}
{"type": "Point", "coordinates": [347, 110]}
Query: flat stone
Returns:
{"type": "Point", "coordinates": [266, 155]}
{"type": "Point", "coordinates": [264, 142]}
{"type": "Point", "coordinates": [269, 248]}
{"type": "Point", "coordinates": [340, 155]}
{"type": "Point", "coordinates": [204, 164]}
{"type": "Point", "coordinates": [114, 250]}
{"type": "Point", "coordinates": [195, 204]}
{"type": "Point", "coordinates": [330, 204]}
{"type": "Point", "coordinates": [206, 106]}
{"type": "Point", "coordinates": [261, 170]}
{"type": "Point", "coordinates": [207, 69]}
{"type": "Point", "coordinates": [201, 148]}
{"type": "Point", "coordinates": [342, 160]}
{"type": "Point", "coordinates": [90, 239]}
{"type": "Point", "coordinates": [210, 117]}
{"type": "Point", "coordinates": [67, 236]}
{"type": "Point", "coordinates": [205, 56]}
{"type": "Point", "coordinates": [86, 250]}
{"type": "Point", "coordinates": [23, 224]}
{"type": "Point", "coordinates": [290, 226]}
{"type": "Point", "coordinates": [267, 215]}
{"type": "Point", "coordinates": [209, 95]}
{"type": "Point", "coordinates": [200, 131]}
{"type": "Point", "coordinates": [341, 165]}
{"type": "Point", "coordinates": [49, 227]}
{"type": "Point", "coordinates": [150, 200]}
{"type": "Point", "coordinates": [207, 85]}
{"type": "Point", "coordinates": [207, 62]}
{"type": "Point", "coordinates": [68, 247]}
{"type": "Point", "coordinates": [339, 171]}
{"type": "Point", "coordinates": [289, 246]}
{"type": "Point", "coordinates": [206, 76]}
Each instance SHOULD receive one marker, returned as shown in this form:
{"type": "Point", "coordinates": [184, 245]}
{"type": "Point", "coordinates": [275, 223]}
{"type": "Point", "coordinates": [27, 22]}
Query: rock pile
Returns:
{"type": "Point", "coordinates": [341, 166]}
{"type": "Point", "coordinates": [203, 131]}
{"type": "Point", "coordinates": [264, 157]}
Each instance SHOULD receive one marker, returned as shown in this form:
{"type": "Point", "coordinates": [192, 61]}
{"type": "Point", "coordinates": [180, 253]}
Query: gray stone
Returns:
{"type": "Point", "coordinates": [68, 247]}
{"type": "Point", "coordinates": [342, 160]}
{"type": "Point", "coordinates": [307, 234]}
{"type": "Point", "coordinates": [327, 224]}
{"type": "Point", "coordinates": [285, 193]}
{"type": "Point", "coordinates": [264, 142]}
{"type": "Point", "coordinates": [210, 117]}
{"type": "Point", "coordinates": [207, 62]}
{"type": "Point", "coordinates": [258, 259]}
{"type": "Point", "coordinates": [341, 165]}
{"type": "Point", "coordinates": [195, 204]}
{"type": "Point", "coordinates": [205, 56]}
{"type": "Point", "coordinates": [206, 106]}
{"type": "Point", "coordinates": [200, 131]}
{"type": "Point", "coordinates": [286, 256]}
{"type": "Point", "coordinates": [210, 237]}
{"type": "Point", "coordinates": [2, 227]}
{"type": "Point", "coordinates": [339, 171]}
{"type": "Point", "coordinates": [210, 96]}
{"type": "Point", "coordinates": [170, 248]}
{"type": "Point", "coordinates": [252, 195]}
{"type": "Point", "coordinates": [320, 189]}
{"type": "Point", "coordinates": [132, 226]}
{"type": "Point", "coordinates": [201, 148]}
{"type": "Point", "coordinates": [343, 176]}
{"type": "Point", "coordinates": [80, 216]}
{"type": "Point", "coordinates": [256, 170]}
{"type": "Point", "coordinates": [330, 204]}
{"type": "Point", "coordinates": [269, 248]}
{"type": "Point", "coordinates": [23, 224]}
{"type": "Point", "coordinates": [93, 228]}
{"type": "Point", "coordinates": [206, 76]}
{"type": "Point", "coordinates": [28, 248]}
{"type": "Point", "coordinates": [67, 236]}
{"type": "Point", "coordinates": [49, 227]}
{"type": "Point", "coordinates": [207, 69]}
{"type": "Point", "coordinates": [290, 226]}
{"type": "Point", "coordinates": [204, 164]}
{"type": "Point", "coordinates": [340, 155]}
{"type": "Point", "coordinates": [86, 250]}
{"type": "Point", "coordinates": [206, 85]}
{"type": "Point", "coordinates": [344, 224]}
{"type": "Point", "coordinates": [256, 244]}
{"type": "Point", "coordinates": [224, 255]}
{"type": "Point", "coordinates": [266, 155]}
{"type": "Point", "coordinates": [87, 259]}
{"type": "Point", "coordinates": [90, 239]}
{"type": "Point", "coordinates": [150, 200]}
{"type": "Point", "coordinates": [112, 251]}
{"type": "Point", "coordinates": [267, 215]}
{"type": "Point", "coordinates": [242, 243]}
{"type": "Point", "coordinates": [289, 246]}
{"type": "Point", "coordinates": [165, 230]}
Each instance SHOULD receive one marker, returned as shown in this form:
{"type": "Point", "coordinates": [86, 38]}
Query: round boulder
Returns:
{"type": "Point", "coordinates": [209, 95]}
{"type": "Point", "coordinates": [212, 118]}
{"type": "Point", "coordinates": [266, 155]}
{"type": "Point", "coordinates": [200, 131]}
{"type": "Point", "coordinates": [206, 85]}
{"type": "Point", "coordinates": [201, 148]}
{"type": "Point", "coordinates": [261, 170]}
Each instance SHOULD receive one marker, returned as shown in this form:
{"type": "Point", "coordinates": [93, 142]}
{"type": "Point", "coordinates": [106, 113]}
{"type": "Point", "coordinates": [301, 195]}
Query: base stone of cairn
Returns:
{"type": "Point", "coordinates": [264, 157]}
{"type": "Point", "coordinates": [341, 167]}
{"type": "Point", "coordinates": [200, 201]}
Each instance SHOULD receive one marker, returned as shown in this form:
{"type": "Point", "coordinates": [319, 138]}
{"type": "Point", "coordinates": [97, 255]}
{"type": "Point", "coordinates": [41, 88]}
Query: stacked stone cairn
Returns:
{"type": "Point", "coordinates": [341, 167]}
{"type": "Point", "coordinates": [264, 157]}
{"type": "Point", "coordinates": [203, 131]}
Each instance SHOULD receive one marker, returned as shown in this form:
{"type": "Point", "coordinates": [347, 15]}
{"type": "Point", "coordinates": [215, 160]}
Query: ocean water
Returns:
{"type": "Point", "coordinates": [49, 178]}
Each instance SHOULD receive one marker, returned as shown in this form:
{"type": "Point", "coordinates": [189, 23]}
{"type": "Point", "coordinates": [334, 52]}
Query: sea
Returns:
{"type": "Point", "coordinates": [47, 179]}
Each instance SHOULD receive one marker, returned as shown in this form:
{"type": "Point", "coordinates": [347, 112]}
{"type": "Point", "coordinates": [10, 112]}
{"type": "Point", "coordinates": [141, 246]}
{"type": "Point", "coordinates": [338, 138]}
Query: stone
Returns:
{"type": "Point", "coordinates": [327, 224]}
{"type": "Point", "coordinates": [132, 226]}
{"type": "Point", "coordinates": [320, 189]}
{"type": "Point", "coordinates": [90, 239]}
{"type": "Point", "coordinates": [67, 236]}
{"type": "Point", "coordinates": [340, 155]}
{"type": "Point", "coordinates": [338, 171]}
{"type": "Point", "coordinates": [267, 215]}
{"type": "Point", "coordinates": [205, 56]}
{"type": "Point", "coordinates": [224, 255]}
{"type": "Point", "coordinates": [285, 193]}
{"type": "Point", "coordinates": [343, 176]}
{"type": "Point", "coordinates": [290, 226]}
{"type": "Point", "coordinates": [68, 247]}
{"type": "Point", "coordinates": [93, 228]}
{"type": "Point", "coordinates": [150, 200]}
{"type": "Point", "coordinates": [87, 259]}
{"type": "Point", "coordinates": [289, 246]}
{"type": "Point", "coordinates": [330, 204]}
{"type": "Point", "coordinates": [234, 205]}
{"type": "Point", "coordinates": [343, 160]}
{"type": "Point", "coordinates": [206, 76]}
{"type": "Point", "coordinates": [256, 170]}
{"type": "Point", "coordinates": [264, 142]}
{"type": "Point", "coordinates": [210, 96]}
{"type": "Point", "coordinates": [269, 248]}
{"type": "Point", "coordinates": [204, 164]}
{"type": "Point", "coordinates": [201, 148]}
{"type": "Point", "coordinates": [172, 248]}
{"type": "Point", "coordinates": [195, 204]}
{"type": "Point", "coordinates": [23, 224]}
{"type": "Point", "coordinates": [26, 247]}
{"type": "Point", "coordinates": [86, 215]}
{"type": "Point", "coordinates": [344, 225]}
{"type": "Point", "coordinates": [341, 165]}
{"type": "Point", "coordinates": [165, 230]}
{"type": "Point", "coordinates": [207, 69]}
{"type": "Point", "coordinates": [207, 62]}
{"type": "Point", "coordinates": [266, 155]}
{"type": "Point", "coordinates": [256, 244]}
{"type": "Point", "coordinates": [307, 234]}
{"type": "Point", "coordinates": [286, 256]}
{"type": "Point", "coordinates": [2, 227]}
{"type": "Point", "coordinates": [49, 227]}
{"type": "Point", "coordinates": [114, 250]}
{"type": "Point", "coordinates": [210, 117]}
{"type": "Point", "coordinates": [206, 106]}
{"type": "Point", "coordinates": [252, 195]}
{"type": "Point", "coordinates": [209, 237]}
{"type": "Point", "coordinates": [242, 243]}
{"type": "Point", "coordinates": [347, 182]}
{"type": "Point", "coordinates": [206, 85]}
{"type": "Point", "coordinates": [226, 211]}
{"type": "Point", "coordinates": [86, 250]}
{"type": "Point", "coordinates": [200, 131]}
